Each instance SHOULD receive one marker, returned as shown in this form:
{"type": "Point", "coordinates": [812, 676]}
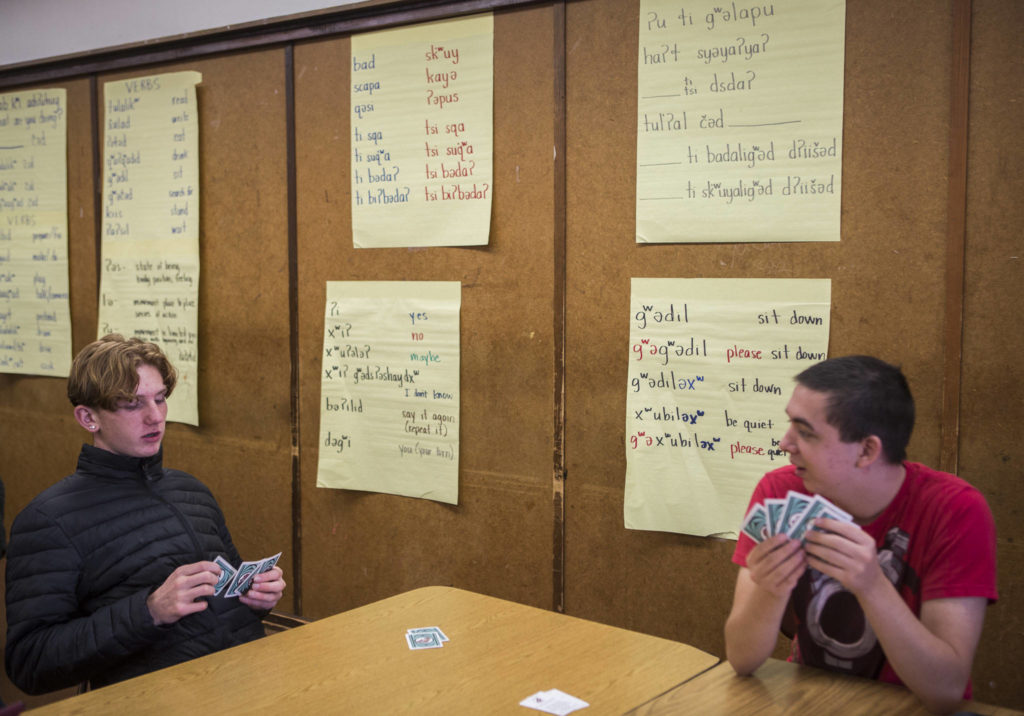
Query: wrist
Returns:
{"type": "Point", "coordinates": [142, 618]}
{"type": "Point", "coordinates": [150, 601]}
{"type": "Point", "coordinates": [874, 590]}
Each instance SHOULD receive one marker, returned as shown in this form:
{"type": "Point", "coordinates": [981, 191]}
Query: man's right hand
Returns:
{"type": "Point", "coordinates": [180, 594]}
{"type": "Point", "coordinates": [776, 564]}
{"type": "Point", "coordinates": [762, 592]}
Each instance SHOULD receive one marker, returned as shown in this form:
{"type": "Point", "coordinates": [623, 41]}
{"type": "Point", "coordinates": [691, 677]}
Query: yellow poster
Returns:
{"type": "Point", "coordinates": [35, 314]}
{"type": "Point", "coordinates": [422, 126]}
{"type": "Point", "coordinates": [740, 121]}
{"type": "Point", "coordinates": [149, 279]}
{"type": "Point", "coordinates": [711, 367]}
{"type": "Point", "coordinates": [389, 416]}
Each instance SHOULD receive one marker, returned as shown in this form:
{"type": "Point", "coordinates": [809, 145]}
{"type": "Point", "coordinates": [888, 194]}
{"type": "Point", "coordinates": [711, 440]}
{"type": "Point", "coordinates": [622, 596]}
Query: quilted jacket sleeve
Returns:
{"type": "Point", "coordinates": [51, 643]}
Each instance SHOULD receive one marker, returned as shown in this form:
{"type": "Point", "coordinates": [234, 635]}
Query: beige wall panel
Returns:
{"type": "Point", "coordinates": [358, 547]}
{"type": "Point", "coordinates": [39, 438]}
{"type": "Point", "coordinates": [891, 255]}
{"type": "Point", "coordinates": [991, 452]}
{"type": "Point", "coordinates": [241, 449]}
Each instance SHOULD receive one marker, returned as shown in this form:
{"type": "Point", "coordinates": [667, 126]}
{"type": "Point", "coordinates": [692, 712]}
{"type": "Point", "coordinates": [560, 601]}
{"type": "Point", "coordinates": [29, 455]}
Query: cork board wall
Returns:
{"type": "Point", "coordinates": [39, 438]}
{"type": "Point", "coordinates": [241, 450]}
{"type": "Point", "coordinates": [888, 294]}
{"type": "Point", "coordinates": [991, 452]}
{"type": "Point", "coordinates": [883, 240]}
{"type": "Point", "coordinates": [358, 547]}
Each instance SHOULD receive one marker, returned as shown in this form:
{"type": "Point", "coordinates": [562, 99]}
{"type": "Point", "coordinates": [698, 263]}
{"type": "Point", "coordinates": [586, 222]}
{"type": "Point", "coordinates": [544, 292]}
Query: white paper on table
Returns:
{"type": "Point", "coordinates": [554, 701]}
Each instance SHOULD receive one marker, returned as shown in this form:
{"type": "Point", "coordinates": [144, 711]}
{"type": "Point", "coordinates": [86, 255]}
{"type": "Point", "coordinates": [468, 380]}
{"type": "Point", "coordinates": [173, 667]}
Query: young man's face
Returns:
{"type": "Point", "coordinates": [822, 460]}
{"type": "Point", "coordinates": [135, 428]}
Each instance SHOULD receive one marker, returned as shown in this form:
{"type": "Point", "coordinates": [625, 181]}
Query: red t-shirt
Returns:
{"type": "Point", "coordinates": [936, 539]}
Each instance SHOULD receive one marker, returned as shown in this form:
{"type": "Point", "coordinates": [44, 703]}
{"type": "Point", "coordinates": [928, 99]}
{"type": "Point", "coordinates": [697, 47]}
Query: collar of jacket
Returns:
{"type": "Point", "coordinates": [103, 463]}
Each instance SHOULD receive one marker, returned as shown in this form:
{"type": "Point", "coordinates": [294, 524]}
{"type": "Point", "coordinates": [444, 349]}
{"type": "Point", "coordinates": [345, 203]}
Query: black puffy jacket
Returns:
{"type": "Point", "coordinates": [86, 553]}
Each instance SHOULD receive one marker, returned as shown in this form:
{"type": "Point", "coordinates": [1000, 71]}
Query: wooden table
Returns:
{"type": "Point", "coordinates": [779, 687]}
{"type": "Point", "coordinates": [358, 662]}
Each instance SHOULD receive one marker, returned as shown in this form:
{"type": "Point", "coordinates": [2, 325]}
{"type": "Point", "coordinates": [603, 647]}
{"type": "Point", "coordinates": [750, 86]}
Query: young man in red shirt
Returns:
{"type": "Point", "coordinates": [899, 594]}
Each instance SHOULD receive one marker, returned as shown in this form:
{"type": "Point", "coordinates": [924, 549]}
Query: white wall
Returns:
{"type": "Point", "coordinates": [36, 29]}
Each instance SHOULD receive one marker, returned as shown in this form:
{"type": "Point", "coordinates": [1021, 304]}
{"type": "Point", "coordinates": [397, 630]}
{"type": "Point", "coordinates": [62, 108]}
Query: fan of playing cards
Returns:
{"type": "Point", "coordinates": [234, 582]}
{"type": "Point", "coordinates": [792, 516]}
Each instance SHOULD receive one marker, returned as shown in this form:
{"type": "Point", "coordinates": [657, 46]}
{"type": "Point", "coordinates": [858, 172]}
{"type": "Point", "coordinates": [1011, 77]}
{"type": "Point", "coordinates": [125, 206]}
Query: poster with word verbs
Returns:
{"type": "Point", "coordinates": [711, 368]}
{"type": "Point", "coordinates": [422, 134]}
{"type": "Point", "coordinates": [149, 274]}
{"type": "Point", "coordinates": [35, 314]}
{"type": "Point", "coordinates": [740, 120]}
{"type": "Point", "coordinates": [389, 390]}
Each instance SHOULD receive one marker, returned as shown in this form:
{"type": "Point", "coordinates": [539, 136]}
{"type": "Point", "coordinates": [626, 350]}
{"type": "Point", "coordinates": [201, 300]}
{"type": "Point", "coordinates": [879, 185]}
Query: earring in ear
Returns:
{"type": "Point", "coordinates": [92, 427]}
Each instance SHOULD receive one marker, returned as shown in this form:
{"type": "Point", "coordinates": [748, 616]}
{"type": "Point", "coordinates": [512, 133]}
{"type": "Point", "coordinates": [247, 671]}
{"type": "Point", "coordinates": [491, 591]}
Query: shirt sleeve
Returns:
{"type": "Point", "coordinates": [963, 560]}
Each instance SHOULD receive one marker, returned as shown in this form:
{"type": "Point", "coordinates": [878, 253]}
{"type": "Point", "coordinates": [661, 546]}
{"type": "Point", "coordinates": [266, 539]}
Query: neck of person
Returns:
{"type": "Point", "coordinates": [882, 481]}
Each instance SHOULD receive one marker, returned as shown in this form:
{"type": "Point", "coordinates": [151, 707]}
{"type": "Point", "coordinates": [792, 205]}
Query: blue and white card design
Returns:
{"type": "Point", "coordinates": [755, 524]}
{"type": "Point", "coordinates": [774, 506]}
{"type": "Point", "coordinates": [235, 582]}
{"type": "Point", "coordinates": [425, 638]}
{"type": "Point", "coordinates": [819, 507]}
{"type": "Point", "coordinates": [227, 573]}
{"type": "Point", "coordinates": [793, 516]}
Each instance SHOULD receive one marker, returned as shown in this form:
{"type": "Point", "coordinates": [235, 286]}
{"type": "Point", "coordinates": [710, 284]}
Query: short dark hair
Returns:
{"type": "Point", "coordinates": [107, 371]}
{"type": "Point", "coordinates": [866, 396]}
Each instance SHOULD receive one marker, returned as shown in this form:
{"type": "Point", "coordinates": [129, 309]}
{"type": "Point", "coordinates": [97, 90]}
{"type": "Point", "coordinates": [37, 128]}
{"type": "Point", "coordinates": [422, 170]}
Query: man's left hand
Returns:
{"type": "Point", "coordinates": [846, 553]}
{"type": "Point", "coordinates": [266, 590]}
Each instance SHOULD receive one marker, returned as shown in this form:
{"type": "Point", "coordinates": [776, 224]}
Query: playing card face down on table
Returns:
{"type": "Point", "coordinates": [425, 637]}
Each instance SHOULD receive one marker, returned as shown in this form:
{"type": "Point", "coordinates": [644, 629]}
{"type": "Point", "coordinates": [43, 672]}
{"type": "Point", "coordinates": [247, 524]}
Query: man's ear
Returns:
{"type": "Point", "coordinates": [86, 417]}
{"type": "Point", "coordinates": [870, 450]}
